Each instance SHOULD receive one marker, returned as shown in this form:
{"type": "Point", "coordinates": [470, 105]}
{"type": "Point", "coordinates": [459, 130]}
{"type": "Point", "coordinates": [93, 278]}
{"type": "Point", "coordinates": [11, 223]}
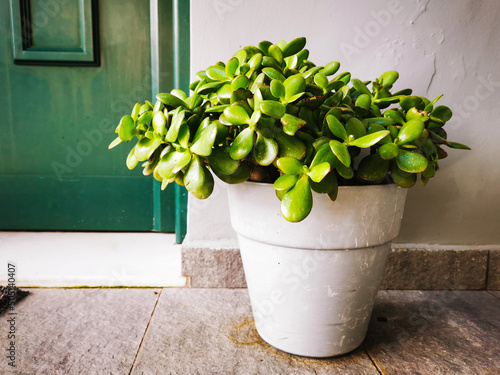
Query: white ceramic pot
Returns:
{"type": "Point", "coordinates": [312, 284]}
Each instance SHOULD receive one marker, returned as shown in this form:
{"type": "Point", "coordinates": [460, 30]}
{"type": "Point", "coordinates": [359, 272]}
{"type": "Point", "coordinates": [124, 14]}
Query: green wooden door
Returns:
{"type": "Point", "coordinates": [69, 70]}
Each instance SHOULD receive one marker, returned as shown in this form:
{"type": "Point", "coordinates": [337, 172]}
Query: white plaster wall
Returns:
{"type": "Point", "coordinates": [449, 47]}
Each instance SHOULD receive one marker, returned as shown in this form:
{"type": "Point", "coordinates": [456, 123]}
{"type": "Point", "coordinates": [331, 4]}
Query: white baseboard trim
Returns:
{"type": "Point", "coordinates": [76, 259]}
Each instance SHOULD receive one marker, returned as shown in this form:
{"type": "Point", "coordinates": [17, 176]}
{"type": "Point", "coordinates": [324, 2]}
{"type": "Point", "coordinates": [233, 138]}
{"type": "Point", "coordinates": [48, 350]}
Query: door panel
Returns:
{"type": "Point", "coordinates": [56, 172]}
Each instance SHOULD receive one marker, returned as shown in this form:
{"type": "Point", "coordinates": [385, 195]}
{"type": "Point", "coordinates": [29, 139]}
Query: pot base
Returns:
{"type": "Point", "coordinates": [313, 303]}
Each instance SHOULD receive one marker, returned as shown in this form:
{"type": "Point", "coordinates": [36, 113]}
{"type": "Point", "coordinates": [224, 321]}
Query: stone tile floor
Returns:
{"type": "Point", "coordinates": [210, 331]}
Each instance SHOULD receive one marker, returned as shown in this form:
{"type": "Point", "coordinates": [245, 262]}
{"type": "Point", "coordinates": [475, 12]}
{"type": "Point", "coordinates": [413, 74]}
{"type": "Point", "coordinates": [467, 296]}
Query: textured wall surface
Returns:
{"type": "Point", "coordinates": [438, 47]}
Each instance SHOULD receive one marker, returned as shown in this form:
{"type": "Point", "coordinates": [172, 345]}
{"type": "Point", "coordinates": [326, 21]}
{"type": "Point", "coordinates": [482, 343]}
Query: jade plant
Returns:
{"type": "Point", "coordinates": [271, 115]}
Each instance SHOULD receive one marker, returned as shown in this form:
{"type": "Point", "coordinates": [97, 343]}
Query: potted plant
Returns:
{"type": "Point", "coordinates": [284, 133]}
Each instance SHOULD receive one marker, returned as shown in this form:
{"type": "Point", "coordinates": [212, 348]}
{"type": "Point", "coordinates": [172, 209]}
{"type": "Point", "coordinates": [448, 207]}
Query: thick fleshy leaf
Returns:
{"type": "Point", "coordinates": [173, 131]}
{"type": "Point", "coordinates": [159, 122]}
{"type": "Point", "coordinates": [115, 143]}
{"type": "Point", "coordinates": [380, 121]}
{"type": "Point", "coordinates": [276, 53]}
{"type": "Point", "coordinates": [410, 131]}
{"type": "Point", "coordinates": [364, 101]}
{"type": "Point", "coordinates": [324, 154]}
{"type": "Point", "coordinates": [321, 80]}
{"type": "Point", "coordinates": [341, 152]}
{"type": "Point", "coordinates": [344, 172]}
{"type": "Point", "coordinates": [145, 117]}
{"type": "Point", "coordinates": [289, 146]}
{"type": "Point", "coordinates": [237, 115]}
{"type": "Point", "coordinates": [135, 111]}
{"type": "Point", "coordinates": [242, 174]}
{"type": "Point", "coordinates": [265, 150]}
{"type": "Point", "coordinates": [411, 162]}
{"type": "Point", "coordinates": [458, 145]}
{"type": "Point", "coordinates": [291, 124]}
{"type": "Point", "coordinates": [240, 82]}
{"type": "Point", "coordinates": [290, 165]}
{"type": "Point", "coordinates": [409, 102]}
{"type": "Point", "coordinates": [231, 67]}
{"type": "Point", "coordinates": [171, 100]}
{"type": "Point", "coordinates": [203, 146]}
{"type": "Point", "coordinates": [318, 172]}
{"type": "Point", "coordinates": [336, 127]}
{"type": "Point", "coordinates": [255, 61]}
{"type": "Point", "coordinates": [388, 78]}
{"type": "Point", "coordinates": [294, 85]}
{"type": "Point", "coordinates": [285, 182]}
{"type": "Point", "coordinates": [217, 108]}
{"type": "Point", "coordinates": [272, 108]}
{"type": "Point", "coordinates": [327, 185]}
{"type": "Point", "coordinates": [273, 74]}
{"type": "Point", "coordinates": [373, 168]}
{"type": "Point", "coordinates": [126, 129]}
{"type": "Point", "coordinates": [388, 151]}
{"type": "Point", "coordinates": [242, 144]}
{"type": "Point", "coordinates": [402, 178]}
{"type": "Point", "coordinates": [131, 161]}
{"type": "Point", "coordinates": [330, 68]}
{"type": "Point", "coordinates": [442, 112]}
{"type": "Point", "coordinates": [198, 180]}
{"type": "Point", "coordinates": [222, 162]}
{"type": "Point", "coordinates": [183, 136]}
{"type": "Point", "coordinates": [369, 139]}
{"type": "Point", "coordinates": [298, 201]}
{"type": "Point", "coordinates": [145, 148]}
{"type": "Point", "coordinates": [217, 73]}
{"type": "Point", "coordinates": [355, 127]}
{"type": "Point", "coordinates": [294, 46]}
{"type": "Point", "coordinates": [224, 93]}
{"type": "Point", "coordinates": [361, 87]}
{"type": "Point", "coordinates": [277, 89]}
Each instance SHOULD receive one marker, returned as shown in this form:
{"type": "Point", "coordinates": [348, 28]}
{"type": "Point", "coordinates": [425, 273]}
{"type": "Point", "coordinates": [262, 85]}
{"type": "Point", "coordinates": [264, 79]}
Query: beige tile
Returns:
{"type": "Point", "coordinates": [435, 332]}
{"type": "Point", "coordinates": [79, 331]}
{"type": "Point", "coordinates": [210, 331]}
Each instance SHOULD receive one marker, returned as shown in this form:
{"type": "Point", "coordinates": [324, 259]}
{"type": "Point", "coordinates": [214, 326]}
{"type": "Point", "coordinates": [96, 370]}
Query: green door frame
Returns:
{"type": "Point", "coordinates": [170, 54]}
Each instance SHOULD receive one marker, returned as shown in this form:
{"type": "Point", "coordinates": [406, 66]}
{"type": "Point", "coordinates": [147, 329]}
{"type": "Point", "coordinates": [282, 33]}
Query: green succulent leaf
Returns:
{"type": "Point", "coordinates": [173, 131]}
{"type": "Point", "coordinates": [458, 145]}
{"type": "Point", "coordinates": [373, 168]}
{"type": "Point", "coordinates": [341, 152]}
{"type": "Point", "coordinates": [318, 172]}
{"type": "Point", "coordinates": [321, 80]}
{"type": "Point", "coordinates": [291, 124]}
{"type": "Point", "coordinates": [442, 112]}
{"type": "Point", "coordinates": [295, 86]}
{"type": "Point", "coordinates": [266, 150]}
{"type": "Point", "coordinates": [411, 162]}
{"type": "Point", "coordinates": [221, 162]}
{"type": "Point", "coordinates": [278, 89]}
{"type": "Point", "coordinates": [361, 87]}
{"type": "Point", "coordinates": [203, 146]}
{"type": "Point", "coordinates": [355, 127]}
{"type": "Point", "coordinates": [410, 131]}
{"type": "Point", "coordinates": [159, 122]}
{"type": "Point", "coordinates": [294, 46]}
{"type": "Point", "coordinates": [126, 129]}
{"type": "Point", "coordinates": [171, 100]}
{"type": "Point", "coordinates": [298, 201]}
{"type": "Point", "coordinates": [145, 148]}
{"type": "Point", "coordinates": [402, 178]}
{"type": "Point", "coordinates": [285, 182]}
{"type": "Point", "coordinates": [330, 68]}
{"type": "Point", "coordinates": [135, 111]}
{"type": "Point", "coordinates": [336, 127]}
{"type": "Point", "coordinates": [131, 160]}
{"type": "Point", "coordinates": [290, 165]}
{"type": "Point", "coordinates": [272, 108]}
{"type": "Point", "coordinates": [388, 78]}
{"type": "Point", "coordinates": [217, 73]}
{"type": "Point", "coordinates": [272, 73]}
{"type": "Point", "coordinates": [242, 144]}
{"type": "Point", "coordinates": [240, 82]}
{"type": "Point", "coordinates": [388, 151]}
{"type": "Point", "coordinates": [231, 67]}
{"type": "Point", "coordinates": [114, 143]}
{"type": "Point", "coordinates": [276, 52]}
{"type": "Point", "coordinates": [242, 174]}
{"type": "Point", "coordinates": [369, 139]}
{"type": "Point", "coordinates": [237, 115]}
{"type": "Point", "coordinates": [328, 185]}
